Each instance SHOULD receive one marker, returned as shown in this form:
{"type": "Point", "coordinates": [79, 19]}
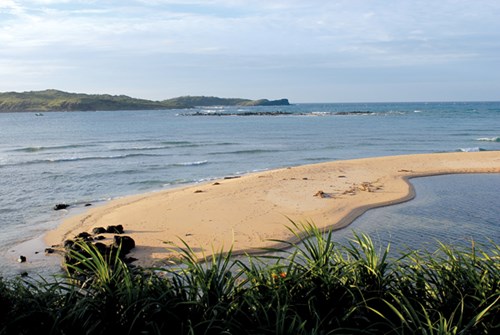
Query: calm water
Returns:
{"type": "Point", "coordinates": [456, 209]}
{"type": "Point", "coordinates": [85, 157]}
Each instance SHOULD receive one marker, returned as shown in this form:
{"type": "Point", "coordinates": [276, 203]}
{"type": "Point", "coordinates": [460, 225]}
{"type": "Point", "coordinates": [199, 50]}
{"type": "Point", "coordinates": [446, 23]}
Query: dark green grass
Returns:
{"type": "Point", "coordinates": [317, 287]}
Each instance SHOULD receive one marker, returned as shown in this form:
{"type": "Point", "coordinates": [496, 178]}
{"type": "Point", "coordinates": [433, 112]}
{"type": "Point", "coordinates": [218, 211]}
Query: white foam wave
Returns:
{"type": "Point", "coordinates": [192, 163]}
{"type": "Point", "coordinates": [474, 149]}
{"type": "Point", "coordinates": [78, 158]}
{"type": "Point", "coordinates": [489, 139]}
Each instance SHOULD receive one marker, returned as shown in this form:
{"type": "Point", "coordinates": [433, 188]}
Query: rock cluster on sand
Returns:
{"type": "Point", "coordinates": [117, 245]}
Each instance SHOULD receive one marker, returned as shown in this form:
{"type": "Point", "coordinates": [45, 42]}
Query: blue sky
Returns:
{"type": "Point", "coordinates": [307, 51]}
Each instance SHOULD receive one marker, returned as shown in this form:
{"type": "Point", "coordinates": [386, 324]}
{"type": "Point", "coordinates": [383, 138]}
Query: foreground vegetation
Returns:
{"type": "Point", "coordinates": [54, 100]}
{"type": "Point", "coordinates": [319, 287]}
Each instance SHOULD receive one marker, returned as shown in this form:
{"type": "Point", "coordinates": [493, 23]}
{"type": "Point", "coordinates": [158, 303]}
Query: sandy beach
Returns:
{"type": "Point", "coordinates": [246, 212]}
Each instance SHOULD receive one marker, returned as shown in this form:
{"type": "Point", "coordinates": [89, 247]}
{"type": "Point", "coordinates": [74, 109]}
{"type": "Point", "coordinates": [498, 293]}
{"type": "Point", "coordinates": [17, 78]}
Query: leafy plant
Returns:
{"type": "Point", "coordinates": [317, 286]}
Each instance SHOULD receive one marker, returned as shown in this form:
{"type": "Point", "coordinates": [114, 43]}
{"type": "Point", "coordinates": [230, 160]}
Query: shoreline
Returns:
{"type": "Point", "coordinates": [244, 213]}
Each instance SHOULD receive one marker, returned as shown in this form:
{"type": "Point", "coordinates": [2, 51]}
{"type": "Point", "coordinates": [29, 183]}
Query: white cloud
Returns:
{"type": "Point", "coordinates": [243, 35]}
{"type": "Point", "coordinates": [269, 27]}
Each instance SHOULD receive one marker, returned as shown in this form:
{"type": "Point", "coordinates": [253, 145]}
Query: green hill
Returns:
{"type": "Point", "coordinates": [54, 100]}
{"type": "Point", "coordinates": [215, 101]}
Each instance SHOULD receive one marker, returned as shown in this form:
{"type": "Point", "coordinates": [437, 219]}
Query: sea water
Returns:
{"type": "Point", "coordinates": [84, 158]}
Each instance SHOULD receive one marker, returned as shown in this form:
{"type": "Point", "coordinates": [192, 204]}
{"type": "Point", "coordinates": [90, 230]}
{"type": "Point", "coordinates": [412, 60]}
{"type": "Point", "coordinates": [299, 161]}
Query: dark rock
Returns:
{"type": "Point", "coordinates": [24, 274]}
{"type": "Point", "coordinates": [115, 229]}
{"type": "Point", "coordinates": [58, 207]}
{"type": "Point", "coordinates": [129, 259]}
{"type": "Point", "coordinates": [127, 243]}
{"type": "Point", "coordinates": [355, 113]}
{"type": "Point", "coordinates": [84, 236]}
{"type": "Point", "coordinates": [98, 230]}
{"type": "Point", "coordinates": [21, 259]}
{"type": "Point", "coordinates": [101, 248]}
{"type": "Point", "coordinates": [49, 251]}
{"type": "Point", "coordinates": [68, 244]}
{"type": "Point", "coordinates": [87, 205]}
{"type": "Point", "coordinates": [99, 238]}
{"type": "Point", "coordinates": [69, 261]}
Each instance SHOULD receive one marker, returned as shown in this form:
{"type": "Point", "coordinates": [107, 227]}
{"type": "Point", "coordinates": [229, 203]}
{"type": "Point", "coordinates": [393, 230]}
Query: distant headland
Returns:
{"type": "Point", "coordinates": [60, 101]}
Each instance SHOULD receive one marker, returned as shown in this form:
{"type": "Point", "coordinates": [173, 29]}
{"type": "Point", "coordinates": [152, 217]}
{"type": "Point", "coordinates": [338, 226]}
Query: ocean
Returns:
{"type": "Point", "coordinates": [84, 158]}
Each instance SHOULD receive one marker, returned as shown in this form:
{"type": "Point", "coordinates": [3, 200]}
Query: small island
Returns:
{"type": "Point", "coordinates": [60, 101]}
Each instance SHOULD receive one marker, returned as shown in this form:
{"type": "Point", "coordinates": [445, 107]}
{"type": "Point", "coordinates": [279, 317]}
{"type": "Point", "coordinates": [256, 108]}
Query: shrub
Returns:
{"type": "Point", "coordinates": [314, 287]}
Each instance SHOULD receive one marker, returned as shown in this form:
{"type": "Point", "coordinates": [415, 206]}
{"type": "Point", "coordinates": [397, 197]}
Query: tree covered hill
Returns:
{"type": "Point", "coordinates": [215, 101]}
{"type": "Point", "coordinates": [54, 100]}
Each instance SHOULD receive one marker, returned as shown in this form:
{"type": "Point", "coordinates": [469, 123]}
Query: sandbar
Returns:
{"type": "Point", "coordinates": [248, 212]}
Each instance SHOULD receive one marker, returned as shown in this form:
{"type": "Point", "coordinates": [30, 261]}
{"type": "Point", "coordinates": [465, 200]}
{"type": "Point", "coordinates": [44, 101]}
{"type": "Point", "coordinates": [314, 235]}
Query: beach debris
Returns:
{"type": "Point", "coordinates": [365, 186]}
{"type": "Point", "coordinates": [115, 229]}
{"type": "Point", "coordinates": [321, 194]}
{"type": "Point", "coordinates": [58, 207]}
{"type": "Point", "coordinates": [341, 176]}
{"type": "Point", "coordinates": [188, 234]}
{"type": "Point", "coordinates": [87, 205]}
{"type": "Point", "coordinates": [232, 177]}
{"type": "Point", "coordinates": [350, 191]}
{"type": "Point", "coordinates": [404, 170]}
{"type": "Point", "coordinates": [368, 187]}
{"type": "Point", "coordinates": [305, 178]}
{"type": "Point", "coordinates": [98, 230]}
{"type": "Point", "coordinates": [198, 191]}
{"type": "Point", "coordinates": [21, 259]}
{"type": "Point", "coordinates": [216, 183]}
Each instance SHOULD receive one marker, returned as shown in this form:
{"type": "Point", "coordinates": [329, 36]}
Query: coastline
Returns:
{"type": "Point", "coordinates": [245, 213]}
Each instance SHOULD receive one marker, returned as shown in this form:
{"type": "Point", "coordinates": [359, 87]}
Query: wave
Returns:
{"type": "Point", "coordinates": [245, 152]}
{"type": "Point", "coordinates": [489, 139]}
{"type": "Point", "coordinates": [358, 113]}
{"type": "Point", "coordinates": [72, 159]}
{"type": "Point", "coordinates": [318, 159]}
{"type": "Point", "coordinates": [243, 113]}
{"type": "Point", "coordinates": [77, 159]}
{"type": "Point", "coordinates": [473, 149]}
{"type": "Point", "coordinates": [191, 163]}
{"type": "Point", "coordinates": [149, 183]}
{"type": "Point", "coordinates": [179, 143]}
{"type": "Point", "coordinates": [157, 183]}
{"type": "Point", "coordinates": [171, 144]}
{"type": "Point", "coordinates": [149, 148]}
{"type": "Point", "coordinates": [55, 147]}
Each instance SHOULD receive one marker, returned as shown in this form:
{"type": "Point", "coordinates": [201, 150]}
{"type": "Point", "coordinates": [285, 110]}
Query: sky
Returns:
{"type": "Point", "coordinates": [306, 51]}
